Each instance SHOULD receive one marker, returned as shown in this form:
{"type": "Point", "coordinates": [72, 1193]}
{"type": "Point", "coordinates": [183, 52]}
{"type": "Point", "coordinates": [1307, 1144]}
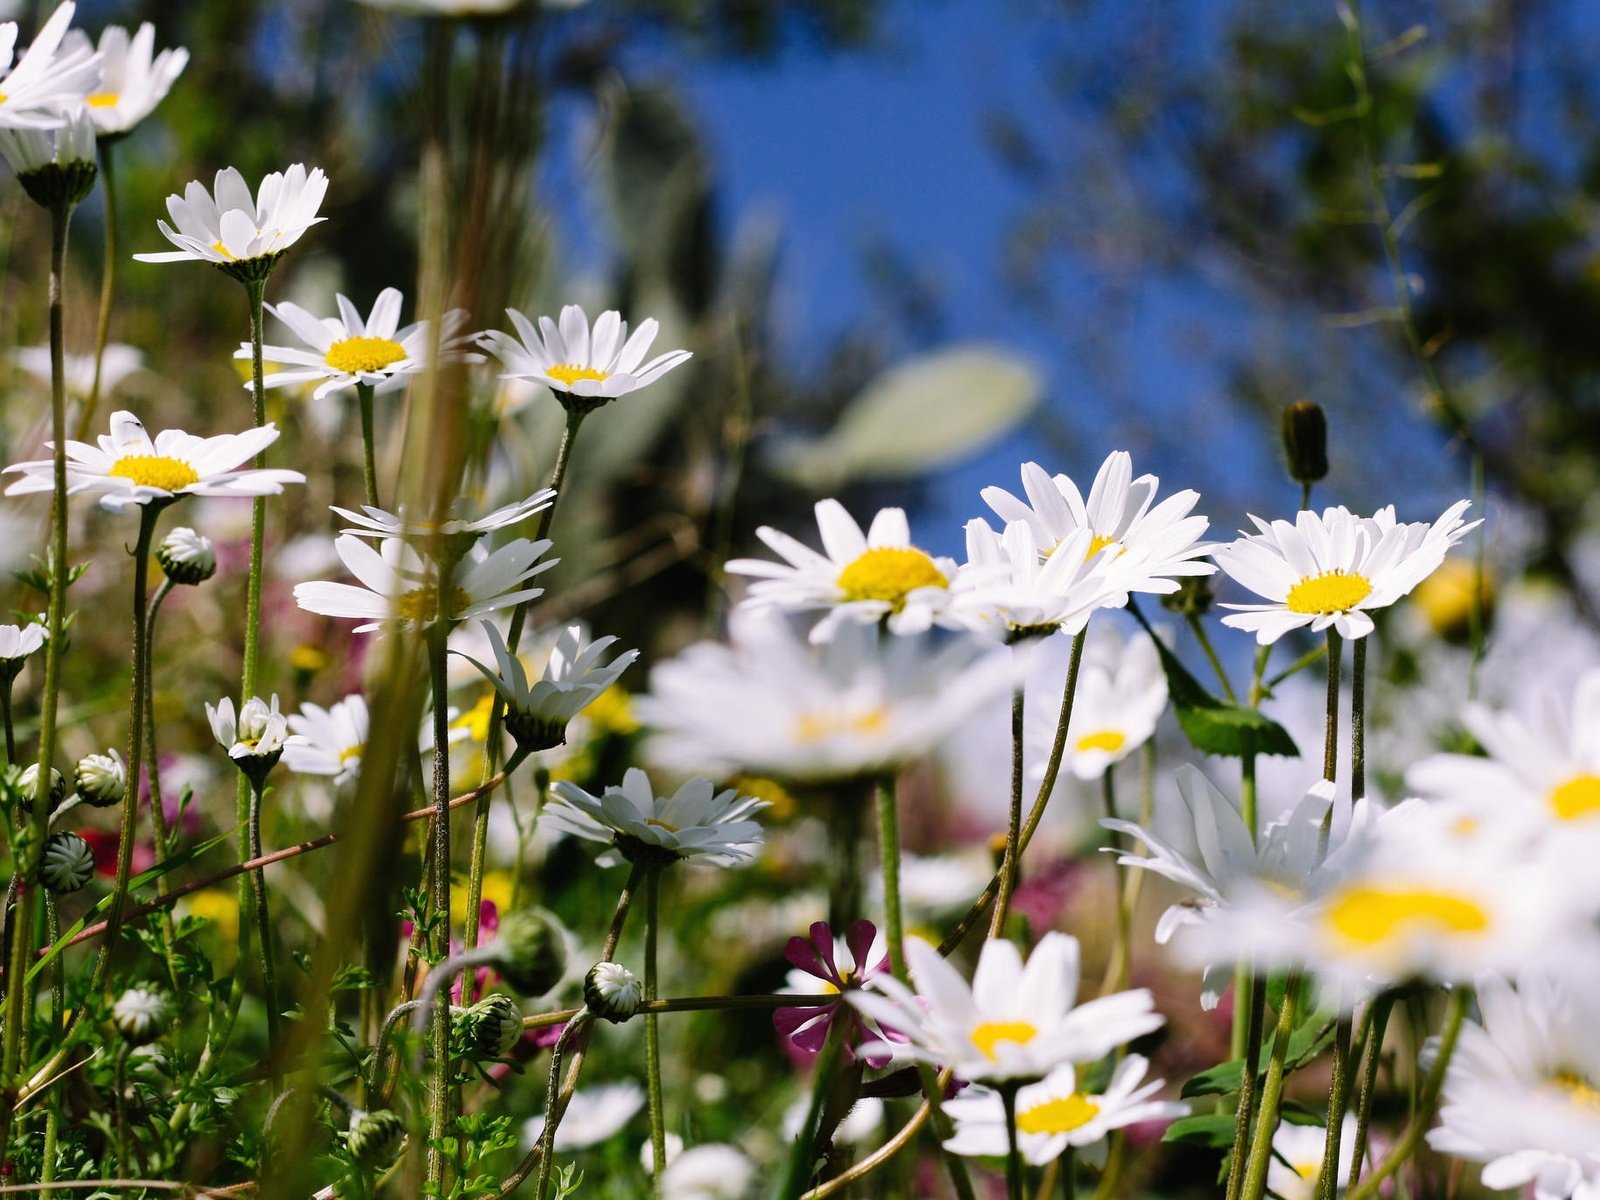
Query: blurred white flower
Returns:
{"type": "Point", "coordinates": [50, 79]}
{"type": "Point", "coordinates": [133, 78]}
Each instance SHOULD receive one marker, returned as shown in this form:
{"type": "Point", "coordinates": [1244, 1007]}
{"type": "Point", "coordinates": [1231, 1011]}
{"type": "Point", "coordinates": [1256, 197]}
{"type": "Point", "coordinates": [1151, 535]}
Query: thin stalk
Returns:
{"type": "Point", "coordinates": [1249, 812]}
{"type": "Point", "coordinates": [1358, 719]}
{"type": "Point", "coordinates": [258, 904]}
{"type": "Point", "coordinates": [108, 284]}
{"type": "Point", "coordinates": [6, 683]}
{"type": "Point", "coordinates": [160, 833]}
{"type": "Point", "coordinates": [553, 1105]}
{"type": "Point", "coordinates": [798, 1167]}
{"type": "Point", "coordinates": [1015, 1175]}
{"type": "Point", "coordinates": [1377, 1023]}
{"type": "Point", "coordinates": [1330, 740]}
{"type": "Point", "coordinates": [58, 1008]}
{"type": "Point", "coordinates": [1255, 1180]}
{"type": "Point", "coordinates": [1117, 969]}
{"type": "Point", "coordinates": [1200, 636]}
{"type": "Point", "coordinates": [844, 853]}
{"type": "Point", "coordinates": [1338, 1101]}
{"type": "Point", "coordinates": [1251, 1057]}
{"type": "Point", "coordinates": [652, 1035]}
{"type": "Point", "coordinates": [1009, 864]}
{"type": "Point", "coordinates": [369, 461]}
{"type": "Point", "coordinates": [1069, 1174]}
{"type": "Point", "coordinates": [439, 890]}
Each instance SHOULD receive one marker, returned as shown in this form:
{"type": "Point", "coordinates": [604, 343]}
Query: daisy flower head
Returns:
{"type": "Point", "coordinates": [133, 78]}
{"type": "Point", "coordinates": [1015, 1021]}
{"type": "Point", "coordinates": [128, 467]}
{"type": "Point", "coordinates": [16, 643]}
{"type": "Point", "coordinates": [1006, 588]}
{"type": "Point", "coordinates": [1297, 1153]}
{"type": "Point", "coordinates": [695, 823]}
{"type": "Point", "coordinates": [1122, 692]}
{"type": "Point", "coordinates": [255, 739]}
{"type": "Point", "coordinates": [584, 368]}
{"type": "Point", "coordinates": [344, 351]}
{"type": "Point", "coordinates": [1332, 569]}
{"type": "Point", "coordinates": [377, 523]}
{"type": "Point", "coordinates": [56, 166]}
{"type": "Point", "coordinates": [874, 576]}
{"type": "Point", "coordinates": [593, 1115]}
{"type": "Point", "coordinates": [236, 232]}
{"type": "Point", "coordinates": [331, 740]}
{"type": "Point", "coordinates": [38, 89]}
{"type": "Point", "coordinates": [1153, 542]}
{"type": "Point", "coordinates": [829, 963]}
{"type": "Point", "coordinates": [120, 361]}
{"type": "Point", "coordinates": [400, 585]}
{"type": "Point", "coordinates": [1053, 1114]}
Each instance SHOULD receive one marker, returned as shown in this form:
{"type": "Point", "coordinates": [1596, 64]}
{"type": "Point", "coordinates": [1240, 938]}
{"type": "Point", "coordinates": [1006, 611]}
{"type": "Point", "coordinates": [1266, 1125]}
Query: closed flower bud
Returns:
{"type": "Point", "coordinates": [492, 1026]}
{"type": "Point", "coordinates": [375, 1138]}
{"type": "Point", "coordinates": [532, 951]}
{"type": "Point", "coordinates": [67, 864]}
{"type": "Point", "coordinates": [612, 991]}
{"type": "Point", "coordinates": [140, 1014]}
{"type": "Point", "coordinates": [101, 779]}
{"type": "Point", "coordinates": [1305, 441]}
{"type": "Point", "coordinates": [29, 783]}
{"type": "Point", "coordinates": [187, 557]}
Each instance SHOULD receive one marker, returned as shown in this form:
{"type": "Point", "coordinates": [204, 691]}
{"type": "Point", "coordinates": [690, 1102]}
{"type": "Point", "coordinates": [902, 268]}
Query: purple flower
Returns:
{"type": "Point", "coordinates": [825, 963]}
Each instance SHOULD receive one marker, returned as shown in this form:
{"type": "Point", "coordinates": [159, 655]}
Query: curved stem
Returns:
{"type": "Point", "coordinates": [554, 1106]}
{"type": "Point", "coordinates": [1010, 867]}
{"type": "Point", "coordinates": [652, 1036]}
{"type": "Point", "coordinates": [369, 460]}
{"type": "Point", "coordinates": [108, 285]}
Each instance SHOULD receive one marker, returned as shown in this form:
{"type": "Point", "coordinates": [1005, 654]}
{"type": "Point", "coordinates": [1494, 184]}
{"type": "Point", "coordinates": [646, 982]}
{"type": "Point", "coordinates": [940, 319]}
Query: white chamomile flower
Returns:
{"type": "Point", "coordinates": [1333, 568]}
{"type": "Point", "coordinates": [236, 231]}
{"type": "Point", "coordinates": [68, 144]}
{"type": "Point", "coordinates": [874, 576]}
{"type": "Point", "coordinates": [19, 641]}
{"type": "Point", "coordinates": [128, 467]}
{"type": "Point", "coordinates": [78, 369]}
{"type": "Point", "coordinates": [696, 822]}
{"type": "Point", "coordinates": [537, 712]}
{"type": "Point", "coordinates": [715, 1171]}
{"type": "Point", "coordinates": [1052, 1114]}
{"type": "Point", "coordinates": [584, 368]}
{"type": "Point", "coordinates": [378, 523]}
{"type": "Point", "coordinates": [1297, 1153]}
{"type": "Point", "coordinates": [593, 1115]}
{"type": "Point", "coordinates": [50, 79]}
{"type": "Point", "coordinates": [346, 350]}
{"type": "Point", "coordinates": [1015, 1021]}
{"type": "Point", "coordinates": [332, 739]}
{"type": "Point", "coordinates": [1122, 692]}
{"type": "Point", "coordinates": [1152, 544]}
{"type": "Point", "coordinates": [258, 730]}
{"type": "Point", "coordinates": [401, 585]}
{"type": "Point", "coordinates": [133, 78]}
{"type": "Point", "coordinates": [1006, 589]}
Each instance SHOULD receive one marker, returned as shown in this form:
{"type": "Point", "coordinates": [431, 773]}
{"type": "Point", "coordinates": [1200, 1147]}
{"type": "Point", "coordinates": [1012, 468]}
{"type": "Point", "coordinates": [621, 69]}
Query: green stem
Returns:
{"type": "Point", "coordinates": [6, 683]}
{"type": "Point", "coordinates": [1015, 1178]}
{"type": "Point", "coordinates": [439, 889]}
{"type": "Point", "coordinates": [1330, 741]}
{"type": "Point", "coordinates": [1200, 635]}
{"type": "Point", "coordinates": [1250, 1058]}
{"type": "Point", "coordinates": [554, 1106]}
{"type": "Point", "coordinates": [1358, 719]}
{"type": "Point", "coordinates": [258, 904]}
{"type": "Point", "coordinates": [1255, 1181]}
{"type": "Point", "coordinates": [369, 465]}
{"type": "Point", "coordinates": [1338, 1101]}
{"type": "Point", "coordinates": [160, 832]}
{"type": "Point", "coordinates": [798, 1168]}
{"type": "Point", "coordinates": [844, 849]}
{"type": "Point", "coordinates": [1009, 864]}
{"type": "Point", "coordinates": [652, 1035]}
{"type": "Point", "coordinates": [1120, 964]}
{"type": "Point", "coordinates": [1377, 1023]}
{"type": "Point", "coordinates": [108, 284]}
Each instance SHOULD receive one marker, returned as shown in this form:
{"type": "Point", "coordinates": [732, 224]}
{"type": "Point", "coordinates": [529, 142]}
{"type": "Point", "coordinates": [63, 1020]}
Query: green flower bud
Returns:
{"type": "Point", "coordinates": [612, 991]}
{"type": "Point", "coordinates": [1305, 441]}
{"type": "Point", "coordinates": [28, 783]}
{"type": "Point", "coordinates": [375, 1138]}
{"type": "Point", "coordinates": [187, 557]}
{"type": "Point", "coordinates": [68, 863]}
{"type": "Point", "coordinates": [532, 951]}
{"type": "Point", "coordinates": [493, 1026]}
{"type": "Point", "coordinates": [101, 779]}
{"type": "Point", "coordinates": [140, 1014]}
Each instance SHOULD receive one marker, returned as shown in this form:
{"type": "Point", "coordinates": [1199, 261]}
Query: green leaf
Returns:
{"type": "Point", "coordinates": [1212, 725]}
{"type": "Point", "coordinates": [1202, 1129]}
{"type": "Point", "coordinates": [1221, 1080]}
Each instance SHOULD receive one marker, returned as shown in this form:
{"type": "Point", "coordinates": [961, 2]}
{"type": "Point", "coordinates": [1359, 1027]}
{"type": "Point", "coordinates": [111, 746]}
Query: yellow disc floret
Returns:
{"type": "Point", "coordinates": [1109, 740]}
{"type": "Point", "coordinates": [1061, 1115]}
{"type": "Point", "coordinates": [155, 471]}
{"type": "Point", "coordinates": [988, 1036]}
{"type": "Point", "coordinates": [1577, 1087]}
{"type": "Point", "coordinates": [1577, 798]}
{"type": "Point", "coordinates": [352, 355]}
{"type": "Point", "coordinates": [422, 604]}
{"type": "Point", "coordinates": [103, 99]}
{"type": "Point", "coordinates": [819, 726]}
{"type": "Point", "coordinates": [1370, 916]}
{"type": "Point", "coordinates": [888, 574]}
{"type": "Point", "coordinates": [570, 373]}
{"type": "Point", "coordinates": [1330, 592]}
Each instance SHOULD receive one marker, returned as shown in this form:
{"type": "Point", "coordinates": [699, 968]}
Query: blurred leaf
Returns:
{"type": "Point", "coordinates": [1212, 725]}
{"type": "Point", "coordinates": [1203, 1129]}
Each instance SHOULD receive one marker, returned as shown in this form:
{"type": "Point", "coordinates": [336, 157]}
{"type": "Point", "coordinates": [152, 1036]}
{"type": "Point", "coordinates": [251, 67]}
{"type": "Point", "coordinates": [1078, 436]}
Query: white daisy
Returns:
{"type": "Point", "coordinates": [133, 78]}
{"type": "Point", "coordinates": [715, 1171]}
{"type": "Point", "coordinates": [69, 143]}
{"type": "Point", "coordinates": [333, 739]}
{"type": "Point", "coordinates": [874, 576]}
{"type": "Point", "coordinates": [240, 233]}
{"type": "Point", "coordinates": [584, 368]}
{"type": "Point", "coordinates": [1015, 1021]}
{"type": "Point", "coordinates": [19, 641]}
{"type": "Point", "coordinates": [1153, 544]}
{"type": "Point", "coordinates": [1297, 1152]}
{"type": "Point", "coordinates": [38, 89]}
{"type": "Point", "coordinates": [347, 350]}
{"type": "Point", "coordinates": [258, 731]}
{"type": "Point", "coordinates": [774, 705]}
{"type": "Point", "coordinates": [1005, 587]}
{"type": "Point", "coordinates": [401, 585]}
{"type": "Point", "coordinates": [593, 1115]}
{"type": "Point", "coordinates": [1333, 569]}
{"type": "Point", "coordinates": [78, 369]}
{"type": "Point", "coordinates": [696, 822]}
{"type": "Point", "coordinates": [375, 522]}
{"type": "Point", "coordinates": [537, 713]}
{"type": "Point", "coordinates": [1122, 692]}
{"type": "Point", "coordinates": [128, 467]}
{"type": "Point", "coordinates": [1052, 1114]}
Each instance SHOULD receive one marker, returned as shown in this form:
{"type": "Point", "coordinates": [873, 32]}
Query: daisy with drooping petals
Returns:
{"type": "Point", "coordinates": [400, 585]}
{"type": "Point", "coordinates": [1333, 568]}
{"type": "Point", "coordinates": [53, 164]}
{"type": "Point", "coordinates": [1015, 1021]}
{"type": "Point", "coordinates": [1122, 692]}
{"type": "Point", "coordinates": [333, 739]}
{"type": "Point", "coordinates": [1053, 1115]}
{"type": "Point", "coordinates": [375, 522]}
{"type": "Point", "coordinates": [133, 78]}
{"type": "Point", "coordinates": [584, 368]}
{"type": "Point", "coordinates": [48, 80]}
{"type": "Point", "coordinates": [128, 467]}
{"type": "Point", "coordinates": [347, 350]}
{"type": "Point", "coordinates": [242, 234]}
{"type": "Point", "coordinates": [1006, 588]}
{"type": "Point", "coordinates": [874, 576]}
{"type": "Point", "coordinates": [696, 822]}
{"type": "Point", "coordinates": [1152, 544]}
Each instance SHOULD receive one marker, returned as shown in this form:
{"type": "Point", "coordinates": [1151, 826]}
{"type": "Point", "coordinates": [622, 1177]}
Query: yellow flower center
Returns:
{"type": "Point", "coordinates": [1577, 798]}
{"type": "Point", "coordinates": [816, 727]}
{"type": "Point", "coordinates": [355, 354]}
{"type": "Point", "coordinates": [352, 752]}
{"type": "Point", "coordinates": [660, 824]}
{"type": "Point", "coordinates": [155, 471]}
{"type": "Point", "coordinates": [1368, 916]}
{"type": "Point", "coordinates": [1577, 1088]}
{"type": "Point", "coordinates": [1098, 543]}
{"type": "Point", "coordinates": [570, 373]}
{"type": "Point", "coordinates": [1307, 1170]}
{"type": "Point", "coordinates": [889, 574]}
{"type": "Point", "coordinates": [988, 1036]}
{"type": "Point", "coordinates": [223, 250]}
{"type": "Point", "coordinates": [1330, 592]}
{"type": "Point", "coordinates": [307, 658]}
{"type": "Point", "coordinates": [1109, 740]}
{"type": "Point", "coordinates": [422, 604]}
{"type": "Point", "coordinates": [476, 719]}
{"type": "Point", "coordinates": [102, 99]}
{"type": "Point", "coordinates": [1061, 1115]}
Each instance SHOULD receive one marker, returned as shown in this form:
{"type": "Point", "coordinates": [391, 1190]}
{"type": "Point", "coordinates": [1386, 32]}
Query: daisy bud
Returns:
{"type": "Point", "coordinates": [29, 783]}
{"type": "Point", "coordinates": [101, 779]}
{"type": "Point", "coordinates": [140, 1013]}
{"type": "Point", "coordinates": [492, 1026]}
{"type": "Point", "coordinates": [57, 168]}
{"type": "Point", "coordinates": [532, 951]}
{"type": "Point", "coordinates": [187, 557]}
{"type": "Point", "coordinates": [374, 1138]}
{"type": "Point", "coordinates": [612, 991]}
{"type": "Point", "coordinates": [254, 739]}
{"type": "Point", "coordinates": [68, 863]}
{"type": "Point", "coordinates": [1305, 441]}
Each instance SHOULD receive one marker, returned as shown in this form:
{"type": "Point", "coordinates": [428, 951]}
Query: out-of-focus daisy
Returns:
{"type": "Point", "coordinates": [1152, 544]}
{"type": "Point", "coordinates": [860, 1124]}
{"type": "Point", "coordinates": [874, 576]}
{"type": "Point", "coordinates": [128, 467]}
{"type": "Point", "coordinates": [696, 822]}
{"type": "Point", "coordinates": [241, 233]}
{"type": "Point", "coordinates": [1005, 587]}
{"type": "Point", "coordinates": [584, 368]}
{"type": "Point", "coordinates": [376, 522]}
{"type": "Point", "coordinates": [593, 1115]}
{"type": "Point", "coordinates": [1522, 1092]}
{"type": "Point", "coordinates": [133, 78]}
{"type": "Point", "coordinates": [55, 165]}
{"type": "Point", "coordinates": [78, 369]}
{"type": "Point", "coordinates": [826, 963]}
{"type": "Point", "coordinates": [1297, 1152]}
{"type": "Point", "coordinates": [773, 705]}
{"type": "Point", "coordinates": [400, 585]}
{"type": "Point", "coordinates": [346, 350]}
{"type": "Point", "coordinates": [38, 89]}
{"type": "Point", "coordinates": [1333, 568]}
{"type": "Point", "coordinates": [258, 731]}
{"type": "Point", "coordinates": [332, 739]}
{"type": "Point", "coordinates": [715, 1171]}
{"type": "Point", "coordinates": [1052, 1114]}
{"type": "Point", "coordinates": [16, 643]}
{"type": "Point", "coordinates": [1015, 1021]}
{"type": "Point", "coordinates": [1122, 692]}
